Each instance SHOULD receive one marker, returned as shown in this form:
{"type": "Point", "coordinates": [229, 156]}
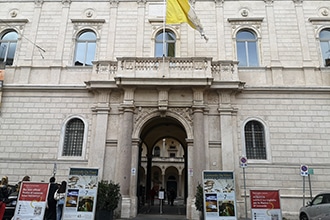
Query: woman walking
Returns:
{"type": "Point", "coordinates": [60, 197]}
{"type": "Point", "coordinates": [4, 193]}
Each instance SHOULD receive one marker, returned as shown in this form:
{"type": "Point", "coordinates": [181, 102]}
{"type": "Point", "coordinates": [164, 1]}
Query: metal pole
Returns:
{"type": "Point", "coordinates": [310, 186]}
{"type": "Point", "coordinates": [54, 169]}
{"type": "Point", "coordinates": [303, 190]}
{"type": "Point", "coordinates": [245, 193]}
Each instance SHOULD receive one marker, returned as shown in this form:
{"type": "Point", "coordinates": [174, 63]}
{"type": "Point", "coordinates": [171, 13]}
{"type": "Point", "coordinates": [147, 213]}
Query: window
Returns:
{"type": "Point", "coordinates": [157, 151]}
{"type": "Point", "coordinates": [169, 39]}
{"type": "Point", "coordinates": [325, 45]}
{"type": "Point", "coordinates": [247, 53]}
{"type": "Point", "coordinates": [85, 48]}
{"type": "Point", "coordinates": [73, 138]}
{"type": "Point", "coordinates": [8, 44]}
{"type": "Point", "coordinates": [255, 145]}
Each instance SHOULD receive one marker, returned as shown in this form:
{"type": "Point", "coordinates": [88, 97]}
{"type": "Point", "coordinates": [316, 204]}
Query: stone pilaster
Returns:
{"type": "Point", "coordinates": [226, 130]}
{"type": "Point", "coordinates": [199, 153]}
{"type": "Point", "coordinates": [124, 152]}
{"type": "Point", "coordinates": [275, 63]}
{"type": "Point", "coordinates": [98, 142]}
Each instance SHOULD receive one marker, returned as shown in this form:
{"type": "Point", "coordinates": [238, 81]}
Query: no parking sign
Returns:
{"type": "Point", "coordinates": [304, 170]}
{"type": "Point", "coordinates": [243, 161]}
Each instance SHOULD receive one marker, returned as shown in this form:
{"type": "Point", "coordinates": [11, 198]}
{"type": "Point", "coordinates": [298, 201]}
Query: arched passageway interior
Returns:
{"type": "Point", "coordinates": [162, 161]}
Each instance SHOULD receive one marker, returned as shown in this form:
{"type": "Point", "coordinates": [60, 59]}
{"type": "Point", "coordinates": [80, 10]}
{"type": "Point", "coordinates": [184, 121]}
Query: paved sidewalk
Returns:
{"type": "Point", "coordinates": [168, 212]}
{"type": "Point", "coordinates": [159, 217]}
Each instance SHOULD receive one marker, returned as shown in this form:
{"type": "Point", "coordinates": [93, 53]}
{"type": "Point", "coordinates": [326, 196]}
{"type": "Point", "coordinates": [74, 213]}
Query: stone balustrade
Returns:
{"type": "Point", "coordinates": [167, 67]}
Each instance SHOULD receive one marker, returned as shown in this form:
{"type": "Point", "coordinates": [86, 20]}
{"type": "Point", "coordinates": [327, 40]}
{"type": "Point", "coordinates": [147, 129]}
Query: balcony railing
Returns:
{"type": "Point", "coordinates": [168, 67]}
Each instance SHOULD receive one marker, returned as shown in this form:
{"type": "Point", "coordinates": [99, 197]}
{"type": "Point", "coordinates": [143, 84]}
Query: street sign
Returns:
{"type": "Point", "coordinates": [304, 170]}
{"type": "Point", "coordinates": [243, 161]}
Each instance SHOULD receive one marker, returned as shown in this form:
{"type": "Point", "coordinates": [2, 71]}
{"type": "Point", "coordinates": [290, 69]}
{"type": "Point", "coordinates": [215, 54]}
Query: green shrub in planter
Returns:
{"type": "Point", "coordinates": [199, 203]}
{"type": "Point", "coordinates": [108, 196]}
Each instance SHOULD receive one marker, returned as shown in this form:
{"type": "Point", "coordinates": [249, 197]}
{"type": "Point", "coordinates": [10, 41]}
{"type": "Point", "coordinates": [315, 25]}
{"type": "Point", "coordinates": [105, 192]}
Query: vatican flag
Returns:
{"type": "Point", "coordinates": [180, 11]}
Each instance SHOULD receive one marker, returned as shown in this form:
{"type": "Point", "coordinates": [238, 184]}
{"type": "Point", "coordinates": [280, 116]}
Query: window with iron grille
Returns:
{"type": "Point", "coordinates": [74, 138]}
{"type": "Point", "coordinates": [255, 141]}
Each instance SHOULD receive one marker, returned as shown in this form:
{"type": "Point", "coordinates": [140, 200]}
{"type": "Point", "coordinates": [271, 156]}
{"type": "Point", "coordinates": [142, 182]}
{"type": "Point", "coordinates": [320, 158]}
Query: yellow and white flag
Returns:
{"type": "Point", "coordinates": [180, 11]}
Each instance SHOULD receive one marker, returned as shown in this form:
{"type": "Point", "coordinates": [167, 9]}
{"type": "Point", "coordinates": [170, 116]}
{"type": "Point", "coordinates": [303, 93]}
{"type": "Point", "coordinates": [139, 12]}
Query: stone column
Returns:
{"type": "Point", "coordinates": [190, 173]}
{"type": "Point", "coordinates": [124, 152]}
{"type": "Point", "coordinates": [163, 178]}
{"type": "Point", "coordinates": [134, 176]}
{"type": "Point", "coordinates": [180, 185]}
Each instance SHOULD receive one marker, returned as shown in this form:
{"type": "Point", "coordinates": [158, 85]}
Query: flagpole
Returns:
{"type": "Point", "coordinates": [164, 21]}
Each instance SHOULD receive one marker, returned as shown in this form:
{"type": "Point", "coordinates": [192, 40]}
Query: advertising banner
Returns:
{"type": "Point", "coordinates": [219, 195]}
{"type": "Point", "coordinates": [265, 205]}
{"type": "Point", "coordinates": [31, 202]}
{"type": "Point", "coordinates": [80, 202]}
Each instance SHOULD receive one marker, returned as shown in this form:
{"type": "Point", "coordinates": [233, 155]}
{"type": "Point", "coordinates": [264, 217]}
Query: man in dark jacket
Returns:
{"type": "Point", "coordinates": [50, 213]}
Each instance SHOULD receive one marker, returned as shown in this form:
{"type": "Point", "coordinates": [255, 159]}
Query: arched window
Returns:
{"type": "Point", "coordinates": [255, 144]}
{"type": "Point", "coordinates": [85, 48]}
{"type": "Point", "coordinates": [165, 44]}
{"type": "Point", "coordinates": [157, 151]}
{"type": "Point", "coordinates": [8, 44]}
{"type": "Point", "coordinates": [325, 45]}
{"type": "Point", "coordinates": [247, 52]}
{"type": "Point", "coordinates": [73, 138]}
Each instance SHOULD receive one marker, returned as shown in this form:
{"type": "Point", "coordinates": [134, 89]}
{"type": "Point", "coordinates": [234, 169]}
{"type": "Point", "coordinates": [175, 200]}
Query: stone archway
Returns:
{"type": "Point", "coordinates": [163, 145]}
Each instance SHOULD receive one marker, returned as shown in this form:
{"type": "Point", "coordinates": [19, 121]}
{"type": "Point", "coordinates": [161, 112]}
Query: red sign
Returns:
{"type": "Point", "coordinates": [265, 199]}
{"type": "Point", "coordinates": [31, 191]}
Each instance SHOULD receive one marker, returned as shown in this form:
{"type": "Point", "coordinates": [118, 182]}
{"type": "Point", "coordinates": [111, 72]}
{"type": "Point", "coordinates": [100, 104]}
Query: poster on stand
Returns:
{"type": "Point", "coordinates": [265, 205]}
{"type": "Point", "coordinates": [80, 202]}
{"type": "Point", "coordinates": [31, 202]}
{"type": "Point", "coordinates": [219, 195]}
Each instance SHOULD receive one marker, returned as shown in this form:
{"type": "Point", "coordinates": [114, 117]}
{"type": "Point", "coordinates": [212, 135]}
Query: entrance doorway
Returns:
{"type": "Point", "coordinates": [162, 166]}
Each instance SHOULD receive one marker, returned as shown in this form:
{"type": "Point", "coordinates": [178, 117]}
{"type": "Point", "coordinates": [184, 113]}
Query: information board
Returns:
{"type": "Point", "coordinates": [219, 195]}
{"type": "Point", "coordinates": [31, 202]}
{"type": "Point", "coordinates": [265, 205]}
{"type": "Point", "coordinates": [80, 202]}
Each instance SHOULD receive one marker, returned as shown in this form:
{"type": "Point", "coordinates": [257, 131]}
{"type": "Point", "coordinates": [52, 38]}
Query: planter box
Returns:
{"type": "Point", "coordinates": [327, 62]}
{"type": "Point", "coordinates": [104, 215]}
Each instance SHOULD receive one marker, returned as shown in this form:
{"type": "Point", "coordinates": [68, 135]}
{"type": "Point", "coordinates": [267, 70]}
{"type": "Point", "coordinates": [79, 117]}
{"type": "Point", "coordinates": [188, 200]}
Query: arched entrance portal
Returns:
{"type": "Point", "coordinates": [162, 163]}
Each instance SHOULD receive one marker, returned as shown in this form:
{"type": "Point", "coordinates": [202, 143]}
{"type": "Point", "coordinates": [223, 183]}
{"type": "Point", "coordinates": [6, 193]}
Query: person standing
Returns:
{"type": "Point", "coordinates": [60, 197]}
{"type": "Point", "coordinates": [50, 213]}
{"type": "Point", "coordinates": [173, 195]}
{"type": "Point", "coordinates": [4, 193]}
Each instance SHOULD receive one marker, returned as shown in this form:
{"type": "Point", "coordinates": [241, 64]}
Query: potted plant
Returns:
{"type": "Point", "coordinates": [199, 203]}
{"type": "Point", "coordinates": [327, 62]}
{"type": "Point", "coordinates": [108, 196]}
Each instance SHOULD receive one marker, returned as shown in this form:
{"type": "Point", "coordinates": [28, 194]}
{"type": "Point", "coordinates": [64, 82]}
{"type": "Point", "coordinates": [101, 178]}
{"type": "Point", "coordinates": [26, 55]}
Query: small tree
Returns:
{"type": "Point", "coordinates": [199, 203]}
{"type": "Point", "coordinates": [108, 195]}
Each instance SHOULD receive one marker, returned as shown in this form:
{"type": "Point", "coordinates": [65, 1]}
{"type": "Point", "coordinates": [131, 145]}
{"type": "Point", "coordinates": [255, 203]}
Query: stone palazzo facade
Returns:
{"type": "Point", "coordinates": [84, 84]}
